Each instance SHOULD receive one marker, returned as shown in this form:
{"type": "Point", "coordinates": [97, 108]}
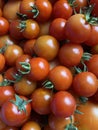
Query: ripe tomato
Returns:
{"type": "Point", "coordinates": [31, 125]}
{"type": "Point", "coordinates": [57, 28]}
{"type": "Point", "coordinates": [47, 44]}
{"type": "Point", "coordinates": [80, 4]}
{"type": "Point", "coordinates": [70, 54]}
{"type": "Point", "coordinates": [13, 51]}
{"type": "Point", "coordinates": [0, 12]}
{"type": "Point", "coordinates": [59, 123]}
{"type": "Point", "coordinates": [85, 84]}
{"type": "Point", "coordinates": [30, 28]}
{"type": "Point", "coordinates": [4, 26]}
{"type": "Point", "coordinates": [28, 47]}
{"type": "Point", "coordinates": [2, 62]}
{"type": "Point", "coordinates": [14, 30]}
{"type": "Point", "coordinates": [16, 111]}
{"type": "Point", "coordinates": [93, 39]}
{"type": "Point", "coordinates": [10, 9]}
{"type": "Point", "coordinates": [61, 77]}
{"type": "Point", "coordinates": [80, 32]}
{"type": "Point", "coordinates": [39, 69]}
{"type": "Point", "coordinates": [24, 86]}
{"type": "Point", "coordinates": [94, 12]}
{"type": "Point", "coordinates": [7, 92]}
{"type": "Point", "coordinates": [41, 99]}
{"type": "Point", "coordinates": [92, 64]}
{"type": "Point", "coordinates": [65, 10]}
{"type": "Point", "coordinates": [63, 104]}
{"type": "Point", "coordinates": [23, 58]}
{"type": "Point", "coordinates": [88, 120]}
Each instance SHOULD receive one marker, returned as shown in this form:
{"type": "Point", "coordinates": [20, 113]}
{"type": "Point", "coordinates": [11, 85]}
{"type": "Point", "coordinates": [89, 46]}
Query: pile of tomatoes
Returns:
{"type": "Point", "coordinates": [48, 64]}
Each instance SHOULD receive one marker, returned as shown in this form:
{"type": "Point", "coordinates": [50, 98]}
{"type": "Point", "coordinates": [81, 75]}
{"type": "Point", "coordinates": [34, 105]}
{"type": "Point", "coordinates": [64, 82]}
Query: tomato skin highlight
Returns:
{"type": "Point", "coordinates": [63, 104]}
{"type": "Point", "coordinates": [77, 33]}
{"type": "Point", "coordinates": [88, 120]}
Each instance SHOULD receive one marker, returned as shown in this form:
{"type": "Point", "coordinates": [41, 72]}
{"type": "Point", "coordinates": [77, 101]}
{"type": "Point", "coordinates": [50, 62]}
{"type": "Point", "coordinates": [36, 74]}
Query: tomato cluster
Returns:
{"type": "Point", "coordinates": [48, 64]}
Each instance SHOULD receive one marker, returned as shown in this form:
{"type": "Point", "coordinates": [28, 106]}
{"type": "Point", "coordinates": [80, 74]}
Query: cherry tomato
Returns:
{"type": "Point", "coordinates": [10, 9]}
{"type": "Point", "coordinates": [80, 32]}
{"type": "Point", "coordinates": [41, 99]}
{"type": "Point", "coordinates": [88, 120]}
{"type": "Point", "coordinates": [4, 26]}
{"type": "Point", "coordinates": [61, 77]}
{"type": "Point", "coordinates": [30, 28]}
{"type": "Point", "coordinates": [92, 64]}
{"type": "Point", "coordinates": [93, 39]}
{"type": "Point", "coordinates": [85, 84]}
{"type": "Point", "coordinates": [23, 58]}
{"type": "Point", "coordinates": [0, 12]}
{"type": "Point", "coordinates": [28, 47]}
{"type": "Point", "coordinates": [2, 62]}
{"type": "Point", "coordinates": [62, 9]}
{"type": "Point", "coordinates": [70, 54]}
{"type": "Point", "coordinates": [59, 123]}
{"type": "Point", "coordinates": [24, 86]}
{"type": "Point", "coordinates": [7, 92]}
{"type": "Point", "coordinates": [15, 112]}
{"type": "Point", "coordinates": [15, 31]}
{"type": "Point", "coordinates": [57, 28]}
{"type": "Point", "coordinates": [31, 125]}
{"type": "Point", "coordinates": [63, 104]}
{"type": "Point", "coordinates": [47, 44]}
{"type": "Point", "coordinates": [94, 12]}
{"type": "Point", "coordinates": [39, 69]}
{"type": "Point", "coordinates": [13, 51]}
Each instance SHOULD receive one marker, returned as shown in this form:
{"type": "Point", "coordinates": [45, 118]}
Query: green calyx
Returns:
{"type": "Point", "coordinates": [20, 103]}
{"type": "Point", "coordinates": [22, 25]}
{"type": "Point", "coordinates": [72, 3]}
{"type": "Point", "coordinates": [5, 82]}
{"type": "Point", "coordinates": [26, 66]}
{"type": "Point", "coordinates": [87, 12]}
{"type": "Point", "coordinates": [22, 16]}
{"type": "Point", "coordinates": [35, 11]}
{"type": "Point", "coordinates": [48, 84]}
{"type": "Point", "coordinates": [3, 49]}
{"type": "Point", "coordinates": [71, 126]}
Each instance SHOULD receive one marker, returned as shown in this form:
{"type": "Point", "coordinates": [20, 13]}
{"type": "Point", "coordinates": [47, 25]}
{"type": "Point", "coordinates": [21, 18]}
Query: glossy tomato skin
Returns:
{"type": "Point", "coordinates": [10, 9]}
{"type": "Point", "coordinates": [31, 30]}
{"type": "Point", "coordinates": [80, 4]}
{"type": "Point", "coordinates": [70, 54]}
{"type": "Point", "coordinates": [93, 39]}
{"type": "Point", "coordinates": [14, 51]}
{"type": "Point", "coordinates": [31, 125]}
{"type": "Point", "coordinates": [47, 44]}
{"type": "Point", "coordinates": [63, 104]}
{"type": "Point", "coordinates": [45, 10]}
{"type": "Point", "coordinates": [15, 31]}
{"type": "Point", "coordinates": [12, 116]}
{"type": "Point", "coordinates": [7, 92]}
{"type": "Point", "coordinates": [41, 99]}
{"type": "Point", "coordinates": [2, 62]}
{"type": "Point", "coordinates": [57, 28]}
{"type": "Point", "coordinates": [4, 26]}
{"type": "Point", "coordinates": [23, 58]}
{"type": "Point", "coordinates": [24, 86]}
{"type": "Point", "coordinates": [26, 6]}
{"type": "Point", "coordinates": [39, 69]}
{"type": "Point", "coordinates": [95, 9]}
{"type": "Point", "coordinates": [28, 47]}
{"type": "Point", "coordinates": [61, 77]}
{"type": "Point", "coordinates": [77, 33]}
{"type": "Point", "coordinates": [92, 64]}
{"type": "Point", "coordinates": [85, 84]}
{"type": "Point", "coordinates": [88, 120]}
{"type": "Point", "coordinates": [59, 123]}
{"type": "Point", "coordinates": [65, 10]}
